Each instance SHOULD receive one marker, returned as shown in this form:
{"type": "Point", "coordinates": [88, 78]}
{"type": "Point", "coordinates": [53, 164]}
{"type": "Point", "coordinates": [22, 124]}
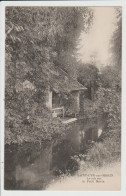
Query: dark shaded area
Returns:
{"type": "Point", "coordinates": [32, 167]}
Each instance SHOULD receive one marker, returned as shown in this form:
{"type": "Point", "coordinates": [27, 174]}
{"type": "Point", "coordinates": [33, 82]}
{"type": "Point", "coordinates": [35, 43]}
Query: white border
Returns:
{"type": "Point", "coordinates": [2, 57]}
{"type": "Point", "coordinates": [64, 3]}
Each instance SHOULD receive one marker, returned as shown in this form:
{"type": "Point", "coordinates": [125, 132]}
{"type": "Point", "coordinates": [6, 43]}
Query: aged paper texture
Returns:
{"type": "Point", "coordinates": [62, 122]}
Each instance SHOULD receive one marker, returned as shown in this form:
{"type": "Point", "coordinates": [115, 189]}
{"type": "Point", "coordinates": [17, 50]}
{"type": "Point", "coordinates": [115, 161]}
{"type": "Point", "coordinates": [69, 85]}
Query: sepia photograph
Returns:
{"type": "Point", "coordinates": [63, 98]}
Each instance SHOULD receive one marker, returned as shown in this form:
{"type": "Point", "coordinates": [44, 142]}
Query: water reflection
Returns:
{"type": "Point", "coordinates": [77, 141]}
{"type": "Point", "coordinates": [56, 159]}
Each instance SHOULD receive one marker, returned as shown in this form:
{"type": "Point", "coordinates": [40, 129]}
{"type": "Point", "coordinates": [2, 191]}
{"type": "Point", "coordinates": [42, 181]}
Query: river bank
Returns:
{"type": "Point", "coordinates": [99, 167]}
{"type": "Point", "coordinates": [91, 179]}
{"type": "Point", "coordinates": [46, 162]}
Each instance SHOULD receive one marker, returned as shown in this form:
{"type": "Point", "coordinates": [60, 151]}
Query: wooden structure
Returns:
{"type": "Point", "coordinates": [63, 94]}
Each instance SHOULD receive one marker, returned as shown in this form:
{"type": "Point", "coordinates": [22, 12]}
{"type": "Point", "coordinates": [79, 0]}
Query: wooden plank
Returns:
{"type": "Point", "coordinates": [61, 108]}
{"type": "Point", "coordinates": [69, 120]}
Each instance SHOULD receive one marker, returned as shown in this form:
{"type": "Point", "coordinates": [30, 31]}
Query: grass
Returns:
{"type": "Point", "coordinates": [106, 151]}
{"type": "Point", "coordinates": [103, 158]}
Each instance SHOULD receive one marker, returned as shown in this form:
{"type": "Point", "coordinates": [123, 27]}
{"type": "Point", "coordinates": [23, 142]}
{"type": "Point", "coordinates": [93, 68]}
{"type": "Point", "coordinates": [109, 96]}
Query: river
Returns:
{"type": "Point", "coordinates": [55, 159]}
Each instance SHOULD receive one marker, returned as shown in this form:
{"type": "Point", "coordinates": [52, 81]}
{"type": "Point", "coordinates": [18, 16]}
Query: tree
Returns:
{"type": "Point", "coordinates": [76, 20]}
{"type": "Point", "coordinates": [109, 94]}
{"type": "Point", "coordinates": [88, 75]}
{"type": "Point", "coordinates": [35, 39]}
{"type": "Point", "coordinates": [116, 42]}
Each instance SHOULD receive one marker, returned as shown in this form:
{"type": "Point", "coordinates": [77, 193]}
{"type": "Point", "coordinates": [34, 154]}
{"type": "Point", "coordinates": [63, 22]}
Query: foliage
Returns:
{"type": "Point", "coordinates": [35, 39]}
{"type": "Point", "coordinates": [110, 78]}
{"type": "Point", "coordinates": [34, 127]}
{"type": "Point", "coordinates": [88, 75]}
{"type": "Point", "coordinates": [105, 152]}
{"type": "Point", "coordinates": [116, 42]}
{"type": "Point", "coordinates": [108, 96]}
{"type": "Point", "coordinates": [89, 109]}
{"type": "Point", "coordinates": [108, 101]}
{"type": "Point", "coordinates": [76, 20]}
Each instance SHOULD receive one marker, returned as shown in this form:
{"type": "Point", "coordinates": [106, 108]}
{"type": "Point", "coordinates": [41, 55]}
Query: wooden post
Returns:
{"type": "Point", "coordinates": [63, 112]}
{"type": "Point", "coordinates": [49, 100]}
{"type": "Point", "coordinates": [78, 101]}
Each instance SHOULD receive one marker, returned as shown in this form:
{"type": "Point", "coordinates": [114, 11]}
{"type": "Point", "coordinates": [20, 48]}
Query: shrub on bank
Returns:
{"type": "Point", "coordinates": [32, 127]}
{"type": "Point", "coordinates": [108, 148]}
{"type": "Point", "coordinates": [105, 151]}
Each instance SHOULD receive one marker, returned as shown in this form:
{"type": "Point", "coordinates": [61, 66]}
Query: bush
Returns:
{"type": "Point", "coordinates": [36, 126]}
{"type": "Point", "coordinates": [107, 151]}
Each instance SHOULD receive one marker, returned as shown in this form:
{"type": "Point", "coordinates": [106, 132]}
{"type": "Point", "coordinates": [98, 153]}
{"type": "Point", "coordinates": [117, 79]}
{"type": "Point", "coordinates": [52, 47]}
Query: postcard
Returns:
{"type": "Point", "coordinates": [62, 90]}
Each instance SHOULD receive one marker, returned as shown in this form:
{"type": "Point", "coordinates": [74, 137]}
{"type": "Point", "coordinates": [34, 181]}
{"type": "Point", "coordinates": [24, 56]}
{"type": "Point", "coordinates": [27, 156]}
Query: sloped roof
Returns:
{"type": "Point", "coordinates": [60, 81]}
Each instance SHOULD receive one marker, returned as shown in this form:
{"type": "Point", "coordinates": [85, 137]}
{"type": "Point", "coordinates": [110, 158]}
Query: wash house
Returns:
{"type": "Point", "coordinates": [63, 95]}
